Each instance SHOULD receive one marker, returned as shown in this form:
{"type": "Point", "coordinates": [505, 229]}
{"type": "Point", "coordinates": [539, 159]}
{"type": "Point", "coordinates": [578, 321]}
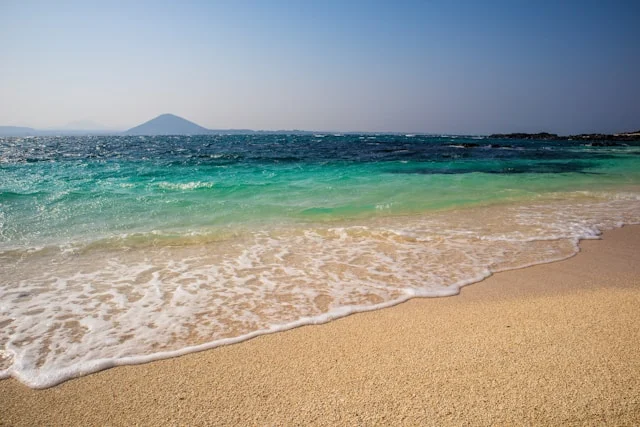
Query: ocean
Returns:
{"type": "Point", "coordinates": [120, 249]}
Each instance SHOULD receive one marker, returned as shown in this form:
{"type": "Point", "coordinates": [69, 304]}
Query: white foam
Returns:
{"type": "Point", "coordinates": [70, 313]}
{"type": "Point", "coordinates": [185, 186]}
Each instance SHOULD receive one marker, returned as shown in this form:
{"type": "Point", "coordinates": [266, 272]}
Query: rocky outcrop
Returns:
{"type": "Point", "coordinates": [538, 136]}
{"type": "Point", "coordinates": [595, 139]}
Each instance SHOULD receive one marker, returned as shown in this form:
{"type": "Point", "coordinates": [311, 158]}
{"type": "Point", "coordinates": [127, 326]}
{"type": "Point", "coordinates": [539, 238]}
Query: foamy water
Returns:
{"type": "Point", "coordinates": [69, 310]}
{"type": "Point", "coordinates": [119, 250]}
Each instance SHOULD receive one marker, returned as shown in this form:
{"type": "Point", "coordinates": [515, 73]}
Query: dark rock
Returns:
{"type": "Point", "coordinates": [602, 139]}
{"type": "Point", "coordinates": [540, 135]}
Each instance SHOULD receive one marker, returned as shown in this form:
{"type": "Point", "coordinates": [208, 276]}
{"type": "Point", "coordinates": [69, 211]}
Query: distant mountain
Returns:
{"type": "Point", "coordinates": [26, 131]}
{"type": "Point", "coordinates": [168, 124]}
{"type": "Point", "coordinates": [17, 131]}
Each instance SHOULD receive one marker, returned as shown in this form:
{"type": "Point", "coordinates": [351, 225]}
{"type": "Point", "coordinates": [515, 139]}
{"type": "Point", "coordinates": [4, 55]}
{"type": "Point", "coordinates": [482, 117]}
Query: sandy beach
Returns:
{"type": "Point", "coordinates": [553, 344]}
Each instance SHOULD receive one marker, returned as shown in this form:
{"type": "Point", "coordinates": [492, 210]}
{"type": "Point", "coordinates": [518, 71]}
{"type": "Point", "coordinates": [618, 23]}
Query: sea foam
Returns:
{"type": "Point", "coordinates": [132, 300]}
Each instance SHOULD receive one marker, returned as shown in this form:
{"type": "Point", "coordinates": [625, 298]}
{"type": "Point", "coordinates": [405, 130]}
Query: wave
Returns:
{"type": "Point", "coordinates": [149, 296]}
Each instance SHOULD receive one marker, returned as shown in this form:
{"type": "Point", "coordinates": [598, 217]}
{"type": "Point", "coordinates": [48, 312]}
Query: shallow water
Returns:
{"type": "Point", "coordinates": [119, 250]}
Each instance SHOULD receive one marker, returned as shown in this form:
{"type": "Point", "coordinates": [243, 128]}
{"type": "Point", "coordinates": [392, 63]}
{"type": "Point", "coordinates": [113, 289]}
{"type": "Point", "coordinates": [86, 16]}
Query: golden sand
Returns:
{"type": "Point", "coordinates": [552, 344]}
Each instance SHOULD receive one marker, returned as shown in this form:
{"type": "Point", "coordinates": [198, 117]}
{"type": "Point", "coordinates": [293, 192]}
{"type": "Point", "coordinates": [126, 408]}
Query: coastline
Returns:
{"type": "Point", "coordinates": [553, 343]}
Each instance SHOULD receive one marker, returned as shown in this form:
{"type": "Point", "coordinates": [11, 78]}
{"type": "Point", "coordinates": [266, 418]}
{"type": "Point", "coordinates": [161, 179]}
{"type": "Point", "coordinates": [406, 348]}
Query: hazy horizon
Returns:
{"type": "Point", "coordinates": [414, 67]}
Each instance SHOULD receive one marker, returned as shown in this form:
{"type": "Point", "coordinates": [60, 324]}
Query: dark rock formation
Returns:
{"type": "Point", "coordinates": [596, 139]}
{"type": "Point", "coordinates": [538, 136]}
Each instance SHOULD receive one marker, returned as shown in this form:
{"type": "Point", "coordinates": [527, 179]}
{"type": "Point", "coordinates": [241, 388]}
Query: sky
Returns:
{"type": "Point", "coordinates": [439, 66]}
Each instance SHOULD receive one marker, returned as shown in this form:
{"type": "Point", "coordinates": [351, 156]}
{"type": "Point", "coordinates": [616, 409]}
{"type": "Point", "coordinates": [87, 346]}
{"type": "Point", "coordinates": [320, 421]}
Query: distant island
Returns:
{"type": "Point", "coordinates": [595, 138]}
{"type": "Point", "coordinates": [170, 124]}
{"type": "Point", "coordinates": [16, 131]}
{"type": "Point", "coordinates": [164, 124]}
{"type": "Point", "coordinates": [19, 131]}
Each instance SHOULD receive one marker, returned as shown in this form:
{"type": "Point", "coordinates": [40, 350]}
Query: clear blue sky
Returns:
{"type": "Point", "coordinates": [426, 66]}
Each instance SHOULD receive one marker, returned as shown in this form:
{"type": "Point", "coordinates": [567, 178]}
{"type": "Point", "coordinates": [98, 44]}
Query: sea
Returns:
{"type": "Point", "coordinates": [121, 250]}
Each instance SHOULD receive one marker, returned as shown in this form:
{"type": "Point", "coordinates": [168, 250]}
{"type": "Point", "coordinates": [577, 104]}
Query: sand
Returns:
{"type": "Point", "coordinates": [551, 344]}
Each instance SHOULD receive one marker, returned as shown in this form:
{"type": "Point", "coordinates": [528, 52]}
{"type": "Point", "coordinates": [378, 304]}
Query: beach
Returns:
{"type": "Point", "coordinates": [318, 213]}
{"type": "Point", "coordinates": [550, 344]}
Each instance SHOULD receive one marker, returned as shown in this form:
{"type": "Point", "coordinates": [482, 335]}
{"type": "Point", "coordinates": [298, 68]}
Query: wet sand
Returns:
{"type": "Point", "coordinates": [551, 344]}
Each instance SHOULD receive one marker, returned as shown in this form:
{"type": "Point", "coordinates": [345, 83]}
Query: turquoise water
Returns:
{"type": "Point", "coordinates": [57, 189]}
{"type": "Point", "coordinates": [126, 249]}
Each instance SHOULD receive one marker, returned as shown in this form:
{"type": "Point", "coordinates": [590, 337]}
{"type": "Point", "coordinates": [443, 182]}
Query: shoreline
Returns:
{"type": "Point", "coordinates": [552, 343]}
